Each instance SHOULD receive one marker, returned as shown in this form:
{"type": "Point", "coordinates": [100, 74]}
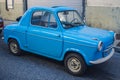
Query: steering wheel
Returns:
{"type": "Point", "coordinates": [75, 19]}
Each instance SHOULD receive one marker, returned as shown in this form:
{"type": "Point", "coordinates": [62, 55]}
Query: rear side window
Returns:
{"type": "Point", "coordinates": [44, 19]}
{"type": "Point", "coordinates": [36, 17]}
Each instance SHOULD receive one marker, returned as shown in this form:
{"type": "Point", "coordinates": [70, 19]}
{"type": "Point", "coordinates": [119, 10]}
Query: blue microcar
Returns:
{"type": "Point", "coordinates": [60, 33]}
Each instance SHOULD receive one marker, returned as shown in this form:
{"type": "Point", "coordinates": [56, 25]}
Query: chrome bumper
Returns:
{"type": "Point", "coordinates": [101, 60]}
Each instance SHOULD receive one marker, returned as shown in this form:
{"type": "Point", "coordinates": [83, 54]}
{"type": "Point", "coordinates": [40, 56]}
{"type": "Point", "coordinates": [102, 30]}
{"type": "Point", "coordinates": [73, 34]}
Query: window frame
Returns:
{"type": "Point", "coordinates": [51, 13]}
{"type": "Point", "coordinates": [69, 10]}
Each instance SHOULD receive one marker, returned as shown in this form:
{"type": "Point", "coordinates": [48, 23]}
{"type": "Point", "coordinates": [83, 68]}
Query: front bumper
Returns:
{"type": "Point", "coordinates": [101, 60]}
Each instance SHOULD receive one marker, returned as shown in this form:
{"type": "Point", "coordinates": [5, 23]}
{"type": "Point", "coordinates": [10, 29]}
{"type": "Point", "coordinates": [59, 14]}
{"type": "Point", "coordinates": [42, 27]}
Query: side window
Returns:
{"type": "Point", "coordinates": [36, 17]}
{"type": "Point", "coordinates": [44, 19]}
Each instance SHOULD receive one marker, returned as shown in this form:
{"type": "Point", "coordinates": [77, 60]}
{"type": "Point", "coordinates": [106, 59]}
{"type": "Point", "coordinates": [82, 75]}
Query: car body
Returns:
{"type": "Point", "coordinates": [1, 24]}
{"type": "Point", "coordinates": [59, 33]}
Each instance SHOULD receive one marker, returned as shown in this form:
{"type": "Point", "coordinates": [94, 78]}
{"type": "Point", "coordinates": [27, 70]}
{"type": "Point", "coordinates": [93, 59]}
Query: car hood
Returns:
{"type": "Point", "coordinates": [86, 32]}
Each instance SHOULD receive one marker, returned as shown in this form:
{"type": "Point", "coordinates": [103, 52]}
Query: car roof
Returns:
{"type": "Point", "coordinates": [53, 9]}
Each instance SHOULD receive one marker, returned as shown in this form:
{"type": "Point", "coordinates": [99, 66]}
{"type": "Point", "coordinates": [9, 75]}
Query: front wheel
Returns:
{"type": "Point", "coordinates": [14, 47]}
{"type": "Point", "coordinates": [75, 64]}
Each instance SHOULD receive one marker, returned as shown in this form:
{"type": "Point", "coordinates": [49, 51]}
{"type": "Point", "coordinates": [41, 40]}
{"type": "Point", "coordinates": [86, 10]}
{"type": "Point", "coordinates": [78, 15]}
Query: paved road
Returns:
{"type": "Point", "coordinates": [34, 67]}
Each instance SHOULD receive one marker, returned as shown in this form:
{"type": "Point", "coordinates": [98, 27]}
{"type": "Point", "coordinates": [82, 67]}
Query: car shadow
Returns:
{"type": "Point", "coordinates": [95, 72]}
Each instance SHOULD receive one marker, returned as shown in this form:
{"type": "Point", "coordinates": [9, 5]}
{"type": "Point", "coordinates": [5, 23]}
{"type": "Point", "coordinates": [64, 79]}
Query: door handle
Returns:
{"type": "Point", "coordinates": [57, 35]}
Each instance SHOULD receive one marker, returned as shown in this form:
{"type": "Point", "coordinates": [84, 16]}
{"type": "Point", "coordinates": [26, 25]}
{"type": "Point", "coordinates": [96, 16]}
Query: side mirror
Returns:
{"type": "Point", "coordinates": [18, 19]}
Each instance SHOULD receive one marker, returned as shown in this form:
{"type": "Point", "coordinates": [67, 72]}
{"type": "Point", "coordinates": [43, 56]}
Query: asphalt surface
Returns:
{"type": "Point", "coordinates": [34, 67]}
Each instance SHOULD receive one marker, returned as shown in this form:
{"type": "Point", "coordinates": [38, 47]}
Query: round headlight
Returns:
{"type": "Point", "coordinates": [100, 45]}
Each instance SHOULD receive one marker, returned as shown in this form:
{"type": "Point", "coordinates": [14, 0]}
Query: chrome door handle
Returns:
{"type": "Point", "coordinates": [57, 35]}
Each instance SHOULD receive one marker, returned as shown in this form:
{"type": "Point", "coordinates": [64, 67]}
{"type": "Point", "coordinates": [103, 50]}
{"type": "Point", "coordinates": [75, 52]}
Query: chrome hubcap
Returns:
{"type": "Point", "coordinates": [74, 64]}
{"type": "Point", "coordinates": [13, 47]}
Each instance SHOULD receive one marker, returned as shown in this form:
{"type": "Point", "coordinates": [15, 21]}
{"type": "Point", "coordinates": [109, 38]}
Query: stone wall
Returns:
{"type": "Point", "coordinates": [11, 14]}
{"type": "Point", "coordinates": [103, 14]}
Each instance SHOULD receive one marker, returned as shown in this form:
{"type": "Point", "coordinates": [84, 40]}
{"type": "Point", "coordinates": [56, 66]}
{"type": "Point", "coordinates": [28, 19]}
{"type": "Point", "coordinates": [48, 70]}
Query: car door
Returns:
{"type": "Point", "coordinates": [44, 36]}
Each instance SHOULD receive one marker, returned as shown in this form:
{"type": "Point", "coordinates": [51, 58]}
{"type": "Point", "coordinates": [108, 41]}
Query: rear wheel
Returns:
{"type": "Point", "coordinates": [14, 47]}
{"type": "Point", "coordinates": [75, 64]}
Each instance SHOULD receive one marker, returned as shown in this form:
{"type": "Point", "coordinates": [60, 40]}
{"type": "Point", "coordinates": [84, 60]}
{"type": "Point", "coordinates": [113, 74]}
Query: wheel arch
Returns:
{"type": "Point", "coordinates": [13, 38]}
{"type": "Point", "coordinates": [75, 52]}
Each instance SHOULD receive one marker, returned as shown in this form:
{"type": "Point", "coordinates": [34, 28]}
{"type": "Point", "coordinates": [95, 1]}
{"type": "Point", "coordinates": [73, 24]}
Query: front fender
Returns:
{"type": "Point", "coordinates": [17, 39]}
{"type": "Point", "coordinates": [87, 52]}
{"type": "Point", "coordinates": [78, 51]}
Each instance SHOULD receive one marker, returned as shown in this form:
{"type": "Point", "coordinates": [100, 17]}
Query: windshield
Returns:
{"type": "Point", "coordinates": [70, 19]}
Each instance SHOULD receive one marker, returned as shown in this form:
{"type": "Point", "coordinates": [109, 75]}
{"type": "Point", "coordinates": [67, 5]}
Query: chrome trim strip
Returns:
{"type": "Point", "coordinates": [44, 37]}
{"type": "Point", "coordinates": [56, 39]}
{"type": "Point", "coordinates": [101, 60]}
{"type": "Point", "coordinates": [36, 35]}
{"type": "Point", "coordinates": [61, 40]}
{"type": "Point", "coordinates": [79, 44]}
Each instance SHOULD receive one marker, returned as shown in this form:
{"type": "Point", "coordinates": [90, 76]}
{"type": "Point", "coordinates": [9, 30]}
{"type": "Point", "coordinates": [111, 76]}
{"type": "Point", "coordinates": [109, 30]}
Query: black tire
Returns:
{"type": "Point", "coordinates": [14, 47]}
{"type": "Point", "coordinates": [75, 64]}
